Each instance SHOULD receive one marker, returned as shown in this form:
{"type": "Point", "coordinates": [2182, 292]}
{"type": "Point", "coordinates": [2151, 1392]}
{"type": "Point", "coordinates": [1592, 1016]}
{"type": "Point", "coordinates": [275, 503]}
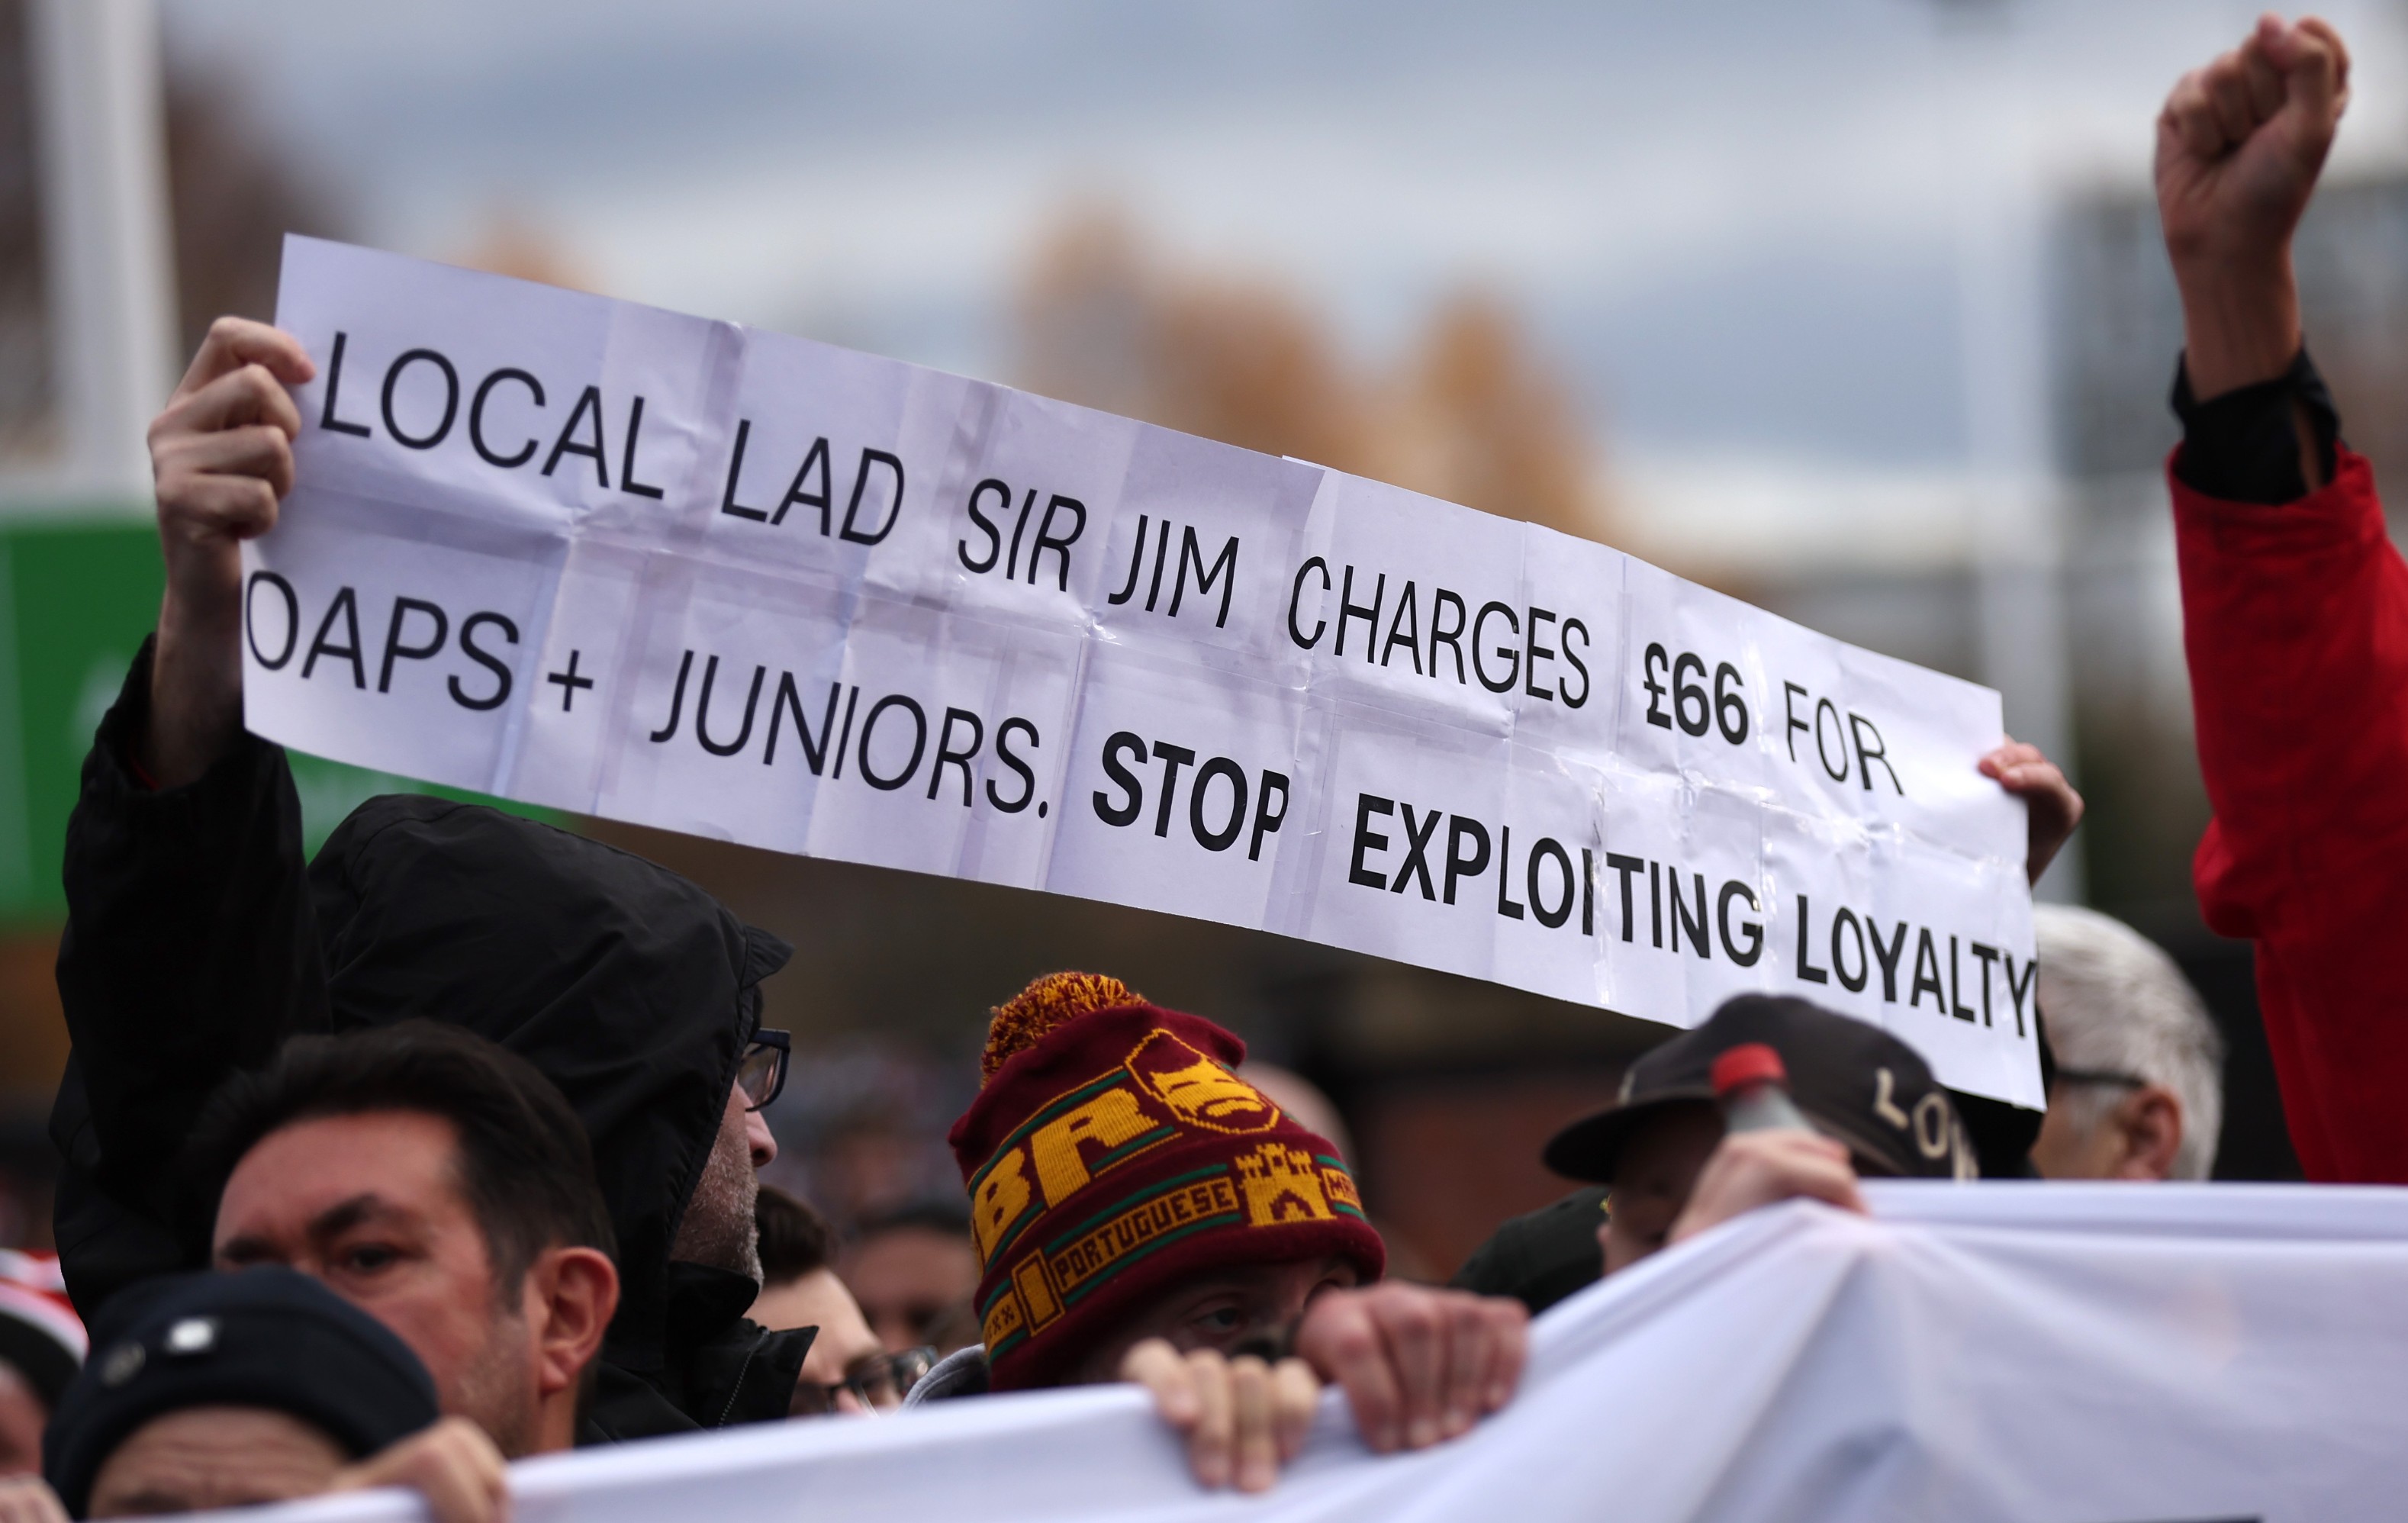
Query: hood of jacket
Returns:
{"type": "Point", "coordinates": [631, 988]}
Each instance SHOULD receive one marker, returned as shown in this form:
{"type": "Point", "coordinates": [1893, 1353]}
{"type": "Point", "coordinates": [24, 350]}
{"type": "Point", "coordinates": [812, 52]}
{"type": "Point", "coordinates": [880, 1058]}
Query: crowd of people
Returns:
{"type": "Point", "coordinates": [440, 1148]}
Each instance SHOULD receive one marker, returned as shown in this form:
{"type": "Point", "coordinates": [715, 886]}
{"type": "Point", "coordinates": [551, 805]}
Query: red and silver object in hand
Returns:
{"type": "Point", "coordinates": [1752, 1084]}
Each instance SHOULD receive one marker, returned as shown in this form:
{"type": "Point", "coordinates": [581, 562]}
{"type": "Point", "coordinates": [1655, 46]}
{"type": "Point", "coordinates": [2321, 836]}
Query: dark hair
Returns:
{"type": "Point", "coordinates": [524, 1164]}
{"type": "Point", "coordinates": [794, 1238]}
{"type": "Point", "coordinates": [950, 1217]}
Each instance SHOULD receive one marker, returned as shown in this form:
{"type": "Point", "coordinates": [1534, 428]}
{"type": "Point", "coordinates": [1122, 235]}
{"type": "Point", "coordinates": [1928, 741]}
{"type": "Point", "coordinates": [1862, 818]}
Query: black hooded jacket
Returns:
{"type": "Point", "coordinates": [196, 942]}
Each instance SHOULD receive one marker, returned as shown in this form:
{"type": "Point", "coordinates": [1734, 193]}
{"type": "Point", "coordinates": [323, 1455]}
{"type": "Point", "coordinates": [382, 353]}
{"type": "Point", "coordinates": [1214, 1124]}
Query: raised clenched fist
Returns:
{"type": "Point", "coordinates": [2241, 141]}
{"type": "Point", "coordinates": [2240, 144]}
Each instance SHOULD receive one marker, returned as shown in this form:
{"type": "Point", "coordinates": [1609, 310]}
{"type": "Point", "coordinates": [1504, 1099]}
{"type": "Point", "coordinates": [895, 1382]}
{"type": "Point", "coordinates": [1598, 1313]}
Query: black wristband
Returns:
{"type": "Point", "coordinates": [2243, 446]}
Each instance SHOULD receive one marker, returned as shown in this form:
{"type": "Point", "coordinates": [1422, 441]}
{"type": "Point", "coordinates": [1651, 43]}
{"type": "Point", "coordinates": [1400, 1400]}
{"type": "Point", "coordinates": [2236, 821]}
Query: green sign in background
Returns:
{"type": "Point", "coordinates": [77, 598]}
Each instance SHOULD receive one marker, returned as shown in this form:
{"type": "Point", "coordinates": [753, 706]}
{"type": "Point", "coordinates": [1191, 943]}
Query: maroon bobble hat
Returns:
{"type": "Point", "coordinates": [1113, 1151]}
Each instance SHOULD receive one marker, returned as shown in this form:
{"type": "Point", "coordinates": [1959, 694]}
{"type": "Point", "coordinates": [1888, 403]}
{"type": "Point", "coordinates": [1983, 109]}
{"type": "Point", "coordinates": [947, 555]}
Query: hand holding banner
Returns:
{"type": "Point", "coordinates": [613, 560]}
{"type": "Point", "coordinates": [2185, 1352]}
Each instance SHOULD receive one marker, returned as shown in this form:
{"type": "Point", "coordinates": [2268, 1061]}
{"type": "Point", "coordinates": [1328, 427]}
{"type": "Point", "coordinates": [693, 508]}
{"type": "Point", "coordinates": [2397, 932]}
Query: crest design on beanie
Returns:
{"type": "Point", "coordinates": [1288, 1185]}
{"type": "Point", "coordinates": [1198, 1091]}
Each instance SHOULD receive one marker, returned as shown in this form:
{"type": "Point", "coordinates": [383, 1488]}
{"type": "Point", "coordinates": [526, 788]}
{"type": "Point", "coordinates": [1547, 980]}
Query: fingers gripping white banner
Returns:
{"type": "Point", "coordinates": [2024, 1353]}
{"type": "Point", "coordinates": [594, 555]}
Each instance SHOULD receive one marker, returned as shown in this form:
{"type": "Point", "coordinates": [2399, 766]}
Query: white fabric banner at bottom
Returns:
{"type": "Point", "coordinates": [2025, 1353]}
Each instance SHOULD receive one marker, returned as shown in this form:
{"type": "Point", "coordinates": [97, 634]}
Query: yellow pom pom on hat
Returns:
{"type": "Point", "coordinates": [1046, 1003]}
{"type": "Point", "coordinates": [1113, 1151]}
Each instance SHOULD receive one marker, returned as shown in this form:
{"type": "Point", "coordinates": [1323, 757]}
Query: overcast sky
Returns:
{"type": "Point", "coordinates": [1736, 224]}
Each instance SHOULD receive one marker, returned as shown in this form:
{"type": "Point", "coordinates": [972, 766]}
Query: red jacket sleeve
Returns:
{"type": "Point", "coordinates": [2296, 625]}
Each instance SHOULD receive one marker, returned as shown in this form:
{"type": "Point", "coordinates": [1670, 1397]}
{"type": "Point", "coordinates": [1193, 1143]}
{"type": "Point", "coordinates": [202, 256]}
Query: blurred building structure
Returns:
{"type": "Point", "coordinates": [91, 70]}
{"type": "Point", "coordinates": [2017, 509]}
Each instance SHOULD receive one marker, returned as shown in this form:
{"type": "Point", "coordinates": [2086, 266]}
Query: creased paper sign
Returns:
{"type": "Point", "coordinates": [603, 557]}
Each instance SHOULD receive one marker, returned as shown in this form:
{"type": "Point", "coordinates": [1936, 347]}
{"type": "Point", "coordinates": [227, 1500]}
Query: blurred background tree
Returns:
{"type": "Point", "coordinates": [1472, 413]}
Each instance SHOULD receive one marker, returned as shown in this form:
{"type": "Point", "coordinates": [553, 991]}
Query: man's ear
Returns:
{"type": "Point", "coordinates": [571, 1294]}
{"type": "Point", "coordinates": [2148, 1132]}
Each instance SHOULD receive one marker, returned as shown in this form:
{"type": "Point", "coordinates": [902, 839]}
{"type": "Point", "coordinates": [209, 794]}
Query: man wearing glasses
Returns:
{"type": "Point", "coordinates": [2138, 1090]}
{"type": "Point", "coordinates": [849, 1372]}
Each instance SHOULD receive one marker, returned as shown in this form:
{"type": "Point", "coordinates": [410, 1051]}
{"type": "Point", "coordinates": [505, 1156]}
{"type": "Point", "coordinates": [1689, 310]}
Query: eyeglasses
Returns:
{"type": "Point", "coordinates": [2099, 1076]}
{"type": "Point", "coordinates": [762, 1075]}
{"type": "Point", "coordinates": [877, 1383]}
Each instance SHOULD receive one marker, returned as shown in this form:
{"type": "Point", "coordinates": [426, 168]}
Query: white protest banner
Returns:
{"type": "Point", "coordinates": [2086, 1353]}
{"type": "Point", "coordinates": [594, 556]}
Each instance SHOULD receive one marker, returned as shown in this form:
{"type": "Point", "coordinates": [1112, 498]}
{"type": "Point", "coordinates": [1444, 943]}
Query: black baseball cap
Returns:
{"type": "Point", "coordinates": [1857, 1085]}
{"type": "Point", "coordinates": [267, 1337]}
